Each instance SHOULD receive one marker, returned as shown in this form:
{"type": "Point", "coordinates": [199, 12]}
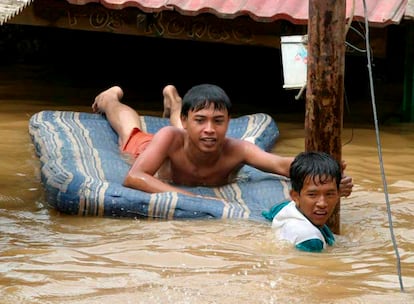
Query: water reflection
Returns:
{"type": "Point", "coordinates": [47, 257]}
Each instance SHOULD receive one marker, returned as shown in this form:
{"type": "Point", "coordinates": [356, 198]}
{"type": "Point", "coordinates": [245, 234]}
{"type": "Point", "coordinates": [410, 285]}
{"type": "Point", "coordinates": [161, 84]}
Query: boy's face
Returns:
{"type": "Point", "coordinates": [317, 201]}
{"type": "Point", "coordinates": [207, 128]}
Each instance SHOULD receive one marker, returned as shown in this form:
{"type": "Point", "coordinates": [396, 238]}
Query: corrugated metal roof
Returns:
{"type": "Point", "coordinates": [10, 8]}
{"type": "Point", "coordinates": [380, 12]}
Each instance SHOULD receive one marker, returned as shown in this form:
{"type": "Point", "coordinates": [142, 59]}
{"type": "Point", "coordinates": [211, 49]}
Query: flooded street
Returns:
{"type": "Point", "coordinates": [48, 257]}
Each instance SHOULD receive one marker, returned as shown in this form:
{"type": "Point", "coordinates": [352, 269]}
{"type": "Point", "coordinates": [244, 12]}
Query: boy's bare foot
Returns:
{"type": "Point", "coordinates": [166, 101]}
{"type": "Point", "coordinates": [100, 104]}
{"type": "Point", "coordinates": [172, 101]}
{"type": "Point", "coordinates": [167, 111]}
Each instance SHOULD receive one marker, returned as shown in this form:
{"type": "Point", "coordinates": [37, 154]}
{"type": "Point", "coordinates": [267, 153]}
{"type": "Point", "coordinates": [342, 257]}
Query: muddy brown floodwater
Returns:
{"type": "Point", "coordinates": [48, 257]}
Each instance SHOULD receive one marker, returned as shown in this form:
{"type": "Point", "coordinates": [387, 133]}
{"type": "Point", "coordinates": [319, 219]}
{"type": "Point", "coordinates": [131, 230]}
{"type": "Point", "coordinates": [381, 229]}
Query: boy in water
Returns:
{"type": "Point", "coordinates": [194, 150]}
{"type": "Point", "coordinates": [315, 179]}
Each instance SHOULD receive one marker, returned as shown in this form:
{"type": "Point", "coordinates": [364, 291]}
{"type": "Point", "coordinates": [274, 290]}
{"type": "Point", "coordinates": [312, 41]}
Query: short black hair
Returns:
{"type": "Point", "coordinates": [202, 96]}
{"type": "Point", "coordinates": [313, 164]}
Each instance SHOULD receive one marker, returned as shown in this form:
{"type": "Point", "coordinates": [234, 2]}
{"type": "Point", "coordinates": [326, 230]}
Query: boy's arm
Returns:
{"type": "Point", "coordinates": [139, 180]}
{"type": "Point", "coordinates": [141, 174]}
{"type": "Point", "coordinates": [273, 163]}
{"type": "Point", "coordinates": [265, 161]}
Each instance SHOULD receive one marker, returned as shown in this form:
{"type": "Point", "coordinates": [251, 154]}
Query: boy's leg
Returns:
{"type": "Point", "coordinates": [121, 117]}
{"type": "Point", "coordinates": [172, 105]}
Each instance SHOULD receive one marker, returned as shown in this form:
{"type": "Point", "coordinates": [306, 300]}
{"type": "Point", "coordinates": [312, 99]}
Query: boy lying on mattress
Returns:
{"type": "Point", "coordinates": [315, 178]}
{"type": "Point", "coordinates": [194, 150]}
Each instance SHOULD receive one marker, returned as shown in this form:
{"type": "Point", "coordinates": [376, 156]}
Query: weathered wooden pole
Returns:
{"type": "Point", "coordinates": [325, 82]}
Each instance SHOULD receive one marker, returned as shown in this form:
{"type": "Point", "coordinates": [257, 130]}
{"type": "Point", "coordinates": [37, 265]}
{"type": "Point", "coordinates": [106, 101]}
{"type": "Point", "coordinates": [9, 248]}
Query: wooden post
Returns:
{"type": "Point", "coordinates": [325, 82]}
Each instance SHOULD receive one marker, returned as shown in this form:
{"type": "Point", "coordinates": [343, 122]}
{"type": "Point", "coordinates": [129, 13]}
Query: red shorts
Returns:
{"type": "Point", "coordinates": [137, 142]}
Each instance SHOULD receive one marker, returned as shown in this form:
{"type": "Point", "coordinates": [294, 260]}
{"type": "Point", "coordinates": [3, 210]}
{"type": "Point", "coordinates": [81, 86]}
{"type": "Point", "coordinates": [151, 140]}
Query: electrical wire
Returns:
{"type": "Point", "coordinates": [379, 149]}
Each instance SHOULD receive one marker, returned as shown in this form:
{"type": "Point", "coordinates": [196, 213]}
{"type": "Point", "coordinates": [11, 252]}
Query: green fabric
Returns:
{"type": "Point", "coordinates": [328, 235]}
{"type": "Point", "coordinates": [316, 245]}
{"type": "Point", "coordinates": [313, 245]}
{"type": "Point", "coordinates": [269, 215]}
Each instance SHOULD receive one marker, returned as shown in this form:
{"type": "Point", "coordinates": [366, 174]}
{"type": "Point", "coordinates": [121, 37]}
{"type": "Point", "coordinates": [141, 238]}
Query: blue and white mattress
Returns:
{"type": "Point", "coordinates": [82, 171]}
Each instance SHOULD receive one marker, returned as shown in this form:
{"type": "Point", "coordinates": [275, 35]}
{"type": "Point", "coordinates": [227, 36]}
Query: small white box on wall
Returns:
{"type": "Point", "coordinates": [294, 61]}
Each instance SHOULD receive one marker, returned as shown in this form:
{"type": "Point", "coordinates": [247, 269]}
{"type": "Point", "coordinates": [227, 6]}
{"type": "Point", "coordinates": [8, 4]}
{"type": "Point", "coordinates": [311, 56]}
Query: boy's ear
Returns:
{"type": "Point", "coordinates": [295, 196]}
{"type": "Point", "coordinates": [184, 120]}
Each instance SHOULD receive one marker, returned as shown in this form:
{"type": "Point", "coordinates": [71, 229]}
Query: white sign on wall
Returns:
{"type": "Point", "coordinates": [294, 61]}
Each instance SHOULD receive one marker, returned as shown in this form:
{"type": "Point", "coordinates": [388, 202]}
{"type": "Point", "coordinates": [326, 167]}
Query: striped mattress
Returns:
{"type": "Point", "coordinates": [82, 171]}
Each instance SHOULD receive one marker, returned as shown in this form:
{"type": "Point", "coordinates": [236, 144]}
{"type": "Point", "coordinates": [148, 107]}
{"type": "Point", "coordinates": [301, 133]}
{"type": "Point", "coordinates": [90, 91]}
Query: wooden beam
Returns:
{"type": "Point", "coordinates": [325, 82]}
